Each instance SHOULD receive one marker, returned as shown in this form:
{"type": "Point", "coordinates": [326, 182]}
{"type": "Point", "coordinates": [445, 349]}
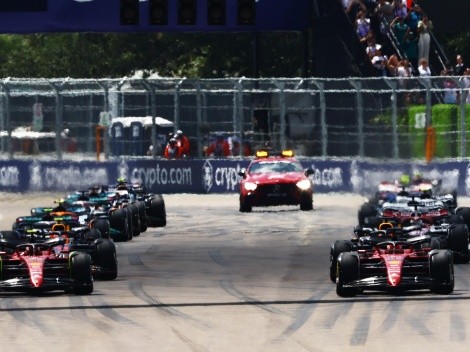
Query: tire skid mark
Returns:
{"type": "Point", "coordinates": [78, 301]}
{"type": "Point", "coordinates": [17, 315]}
{"type": "Point", "coordinates": [137, 290]}
{"type": "Point", "coordinates": [193, 346]}
{"type": "Point", "coordinates": [416, 323]}
{"type": "Point", "coordinates": [342, 311]}
{"type": "Point", "coordinates": [306, 310]}
{"type": "Point", "coordinates": [361, 330]}
{"type": "Point", "coordinates": [217, 258]}
{"type": "Point", "coordinates": [109, 312]}
{"type": "Point", "coordinates": [135, 259]}
{"type": "Point", "coordinates": [394, 312]}
{"type": "Point", "coordinates": [458, 330]}
{"type": "Point", "coordinates": [228, 286]}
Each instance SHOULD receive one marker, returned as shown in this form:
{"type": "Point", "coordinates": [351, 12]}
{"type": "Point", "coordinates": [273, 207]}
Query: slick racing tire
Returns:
{"type": "Point", "coordinates": [102, 225]}
{"type": "Point", "coordinates": [118, 220]}
{"type": "Point", "coordinates": [135, 219]}
{"type": "Point", "coordinates": [465, 214]}
{"type": "Point", "coordinates": [367, 210]}
{"type": "Point", "coordinates": [80, 271]}
{"type": "Point", "coordinates": [105, 258]}
{"type": "Point", "coordinates": [457, 242]}
{"type": "Point", "coordinates": [156, 212]}
{"type": "Point", "coordinates": [348, 271]}
{"type": "Point", "coordinates": [12, 238]}
{"type": "Point", "coordinates": [442, 271]}
{"type": "Point", "coordinates": [337, 248]}
{"type": "Point", "coordinates": [142, 216]}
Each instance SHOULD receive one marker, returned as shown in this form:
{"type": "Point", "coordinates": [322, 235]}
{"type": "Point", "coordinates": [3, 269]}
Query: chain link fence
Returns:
{"type": "Point", "coordinates": [375, 117]}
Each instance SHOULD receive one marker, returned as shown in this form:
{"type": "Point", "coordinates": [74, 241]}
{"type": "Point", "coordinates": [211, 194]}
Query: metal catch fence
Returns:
{"type": "Point", "coordinates": [114, 118]}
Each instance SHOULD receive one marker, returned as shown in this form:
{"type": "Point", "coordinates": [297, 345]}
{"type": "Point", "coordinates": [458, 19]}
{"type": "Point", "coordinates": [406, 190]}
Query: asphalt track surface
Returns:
{"type": "Point", "coordinates": [217, 280]}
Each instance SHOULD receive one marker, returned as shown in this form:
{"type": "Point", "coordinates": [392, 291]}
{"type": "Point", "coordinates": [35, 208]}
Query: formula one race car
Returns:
{"type": "Point", "coordinates": [80, 238]}
{"type": "Point", "coordinates": [395, 266]}
{"type": "Point", "coordinates": [275, 180]}
{"type": "Point", "coordinates": [40, 267]}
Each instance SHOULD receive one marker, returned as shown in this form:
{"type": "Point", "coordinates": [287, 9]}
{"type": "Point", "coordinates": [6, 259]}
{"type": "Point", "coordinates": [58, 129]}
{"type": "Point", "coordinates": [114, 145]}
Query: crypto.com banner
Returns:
{"type": "Point", "coordinates": [216, 175]}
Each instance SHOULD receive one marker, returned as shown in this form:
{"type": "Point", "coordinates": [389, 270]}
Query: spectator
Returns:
{"type": "Point", "coordinates": [183, 142]}
{"type": "Point", "coordinates": [404, 72]}
{"type": "Point", "coordinates": [414, 16]}
{"type": "Point", "coordinates": [400, 30]}
{"type": "Point", "coordinates": [400, 9]}
{"type": "Point", "coordinates": [363, 27]}
{"type": "Point", "coordinates": [459, 68]}
{"type": "Point", "coordinates": [450, 93]}
{"type": "Point", "coordinates": [392, 66]}
{"type": "Point", "coordinates": [423, 68]}
{"type": "Point", "coordinates": [353, 9]}
{"type": "Point", "coordinates": [424, 28]}
{"type": "Point", "coordinates": [379, 61]}
{"type": "Point", "coordinates": [410, 49]}
{"type": "Point", "coordinates": [372, 47]}
{"type": "Point", "coordinates": [385, 10]}
{"type": "Point", "coordinates": [218, 148]}
{"type": "Point", "coordinates": [466, 84]}
{"type": "Point", "coordinates": [173, 150]}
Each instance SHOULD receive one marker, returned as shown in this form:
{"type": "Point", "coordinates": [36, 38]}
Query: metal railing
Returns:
{"type": "Point", "coordinates": [372, 117]}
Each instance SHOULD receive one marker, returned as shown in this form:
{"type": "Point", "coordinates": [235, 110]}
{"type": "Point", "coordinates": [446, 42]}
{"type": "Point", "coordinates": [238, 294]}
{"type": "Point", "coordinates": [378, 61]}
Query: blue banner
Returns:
{"type": "Point", "coordinates": [218, 175]}
{"type": "Point", "coordinates": [27, 16]}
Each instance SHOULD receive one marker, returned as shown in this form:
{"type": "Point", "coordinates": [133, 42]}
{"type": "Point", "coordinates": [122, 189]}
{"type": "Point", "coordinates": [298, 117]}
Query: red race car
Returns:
{"type": "Point", "coordinates": [275, 180]}
{"type": "Point", "coordinates": [395, 266]}
{"type": "Point", "coordinates": [39, 267]}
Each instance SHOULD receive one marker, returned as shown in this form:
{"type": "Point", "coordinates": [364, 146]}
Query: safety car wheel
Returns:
{"type": "Point", "coordinates": [81, 274]}
{"type": "Point", "coordinates": [457, 242]}
{"type": "Point", "coordinates": [105, 258]}
{"type": "Point", "coordinates": [245, 207]}
{"type": "Point", "coordinates": [337, 248]}
{"type": "Point", "coordinates": [442, 271]}
{"type": "Point", "coordinates": [348, 271]}
{"type": "Point", "coordinates": [156, 212]}
{"type": "Point", "coordinates": [366, 210]}
{"type": "Point", "coordinates": [306, 204]}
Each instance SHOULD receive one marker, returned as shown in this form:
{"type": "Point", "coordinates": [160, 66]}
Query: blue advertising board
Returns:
{"type": "Point", "coordinates": [30, 16]}
{"type": "Point", "coordinates": [204, 176]}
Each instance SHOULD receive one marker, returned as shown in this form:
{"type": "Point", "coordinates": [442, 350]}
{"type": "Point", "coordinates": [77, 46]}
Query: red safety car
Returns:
{"type": "Point", "coordinates": [275, 180]}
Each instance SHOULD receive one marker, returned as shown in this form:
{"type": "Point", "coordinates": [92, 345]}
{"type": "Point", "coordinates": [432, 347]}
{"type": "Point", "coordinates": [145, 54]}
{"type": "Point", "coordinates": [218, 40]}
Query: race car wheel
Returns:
{"type": "Point", "coordinates": [142, 216]}
{"type": "Point", "coordinates": [442, 271]}
{"type": "Point", "coordinates": [135, 219]}
{"type": "Point", "coordinates": [465, 214]}
{"type": "Point", "coordinates": [457, 242]}
{"type": "Point", "coordinates": [348, 271]}
{"type": "Point", "coordinates": [130, 227]}
{"type": "Point", "coordinates": [102, 225]}
{"type": "Point", "coordinates": [306, 203]}
{"type": "Point", "coordinates": [105, 258]}
{"type": "Point", "coordinates": [156, 213]}
{"type": "Point", "coordinates": [119, 222]}
{"type": "Point", "coordinates": [245, 206]}
{"type": "Point", "coordinates": [366, 210]}
{"type": "Point", "coordinates": [80, 272]}
{"type": "Point", "coordinates": [337, 248]}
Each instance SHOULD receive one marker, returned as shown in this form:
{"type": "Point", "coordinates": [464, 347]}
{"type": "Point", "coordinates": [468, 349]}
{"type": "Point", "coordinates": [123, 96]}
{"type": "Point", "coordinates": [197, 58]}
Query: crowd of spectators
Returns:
{"type": "Point", "coordinates": [396, 35]}
{"type": "Point", "coordinates": [376, 21]}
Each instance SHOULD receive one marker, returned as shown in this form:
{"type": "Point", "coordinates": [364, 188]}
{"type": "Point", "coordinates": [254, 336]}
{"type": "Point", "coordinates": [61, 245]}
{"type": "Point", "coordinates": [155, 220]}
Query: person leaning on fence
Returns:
{"type": "Point", "coordinates": [183, 142]}
{"type": "Point", "coordinates": [218, 148]}
{"type": "Point", "coordinates": [173, 150]}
